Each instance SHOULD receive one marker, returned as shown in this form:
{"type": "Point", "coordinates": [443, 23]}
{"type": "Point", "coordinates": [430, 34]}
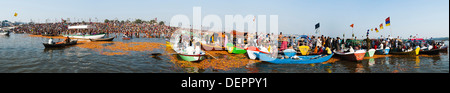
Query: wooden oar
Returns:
{"type": "Point", "coordinates": [211, 55]}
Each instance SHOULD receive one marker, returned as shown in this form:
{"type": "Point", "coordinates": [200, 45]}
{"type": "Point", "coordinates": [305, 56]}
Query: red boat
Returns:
{"type": "Point", "coordinates": [126, 38]}
{"type": "Point", "coordinates": [358, 55]}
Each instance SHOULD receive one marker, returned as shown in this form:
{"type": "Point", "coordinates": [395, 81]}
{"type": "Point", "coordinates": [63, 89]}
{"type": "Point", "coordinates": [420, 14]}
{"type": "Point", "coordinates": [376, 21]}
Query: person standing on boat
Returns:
{"type": "Point", "coordinates": [50, 41]}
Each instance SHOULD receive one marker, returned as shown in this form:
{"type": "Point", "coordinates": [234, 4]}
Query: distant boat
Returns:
{"type": "Point", "coordinates": [5, 33]}
{"type": "Point", "coordinates": [103, 39]}
{"type": "Point", "coordinates": [358, 55]}
{"type": "Point", "coordinates": [301, 60]}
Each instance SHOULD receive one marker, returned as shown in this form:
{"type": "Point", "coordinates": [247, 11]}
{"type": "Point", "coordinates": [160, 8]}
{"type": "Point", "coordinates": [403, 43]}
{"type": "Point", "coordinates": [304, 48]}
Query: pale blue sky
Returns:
{"type": "Point", "coordinates": [427, 18]}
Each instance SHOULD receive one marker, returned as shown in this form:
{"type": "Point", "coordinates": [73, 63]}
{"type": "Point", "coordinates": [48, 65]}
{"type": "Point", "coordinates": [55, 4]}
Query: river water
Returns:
{"type": "Point", "coordinates": [20, 53]}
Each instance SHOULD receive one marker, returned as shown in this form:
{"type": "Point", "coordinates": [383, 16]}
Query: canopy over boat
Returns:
{"type": "Point", "coordinates": [81, 27]}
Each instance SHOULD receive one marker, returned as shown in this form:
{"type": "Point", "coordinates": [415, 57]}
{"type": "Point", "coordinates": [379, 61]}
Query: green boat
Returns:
{"type": "Point", "coordinates": [370, 53]}
{"type": "Point", "coordinates": [235, 50]}
{"type": "Point", "coordinates": [192, 58]}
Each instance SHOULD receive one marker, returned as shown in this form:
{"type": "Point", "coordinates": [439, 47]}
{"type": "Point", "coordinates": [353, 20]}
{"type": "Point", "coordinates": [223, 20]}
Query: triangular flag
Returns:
{"type": "Point", "coordinates": [376, 30]}
{"type": "Point", "coordinates": [352, 25]}
{"type": "Point", "coordinates": [15, 14]}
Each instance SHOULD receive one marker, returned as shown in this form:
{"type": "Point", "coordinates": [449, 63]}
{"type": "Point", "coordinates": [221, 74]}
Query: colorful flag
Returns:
{"type": "Point", "coordinates": [376, 30]}
{"type": "Point", "coordinates": [317, 25]}
{"type": "Point", "coordinates": [15, 14]}
{"type": "Point", "coordinates": [371, 29]}
{"type": "Point", "coordinates": [351, 25]}
{"type": "Point", "coordinates": [388, 21]}
{"type": "Point", "coordinates": [381, 26]}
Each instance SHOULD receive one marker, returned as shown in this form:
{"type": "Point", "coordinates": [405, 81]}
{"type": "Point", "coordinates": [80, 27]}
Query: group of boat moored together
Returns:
{"type": "Point", "coordinates": [292, 50]}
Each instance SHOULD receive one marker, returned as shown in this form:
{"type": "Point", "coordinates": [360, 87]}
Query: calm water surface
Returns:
{"type": "Point", "coordinates": [20, 53]}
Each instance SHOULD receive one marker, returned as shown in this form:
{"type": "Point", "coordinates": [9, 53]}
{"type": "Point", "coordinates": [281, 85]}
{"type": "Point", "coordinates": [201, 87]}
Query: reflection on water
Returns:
{"type": "Point", "coordinates": [20, 53]}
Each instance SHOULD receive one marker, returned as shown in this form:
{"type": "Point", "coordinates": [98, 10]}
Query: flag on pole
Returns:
{"type": "Point", "coordinates": [317, 25]}
{"type": "Point", "coordinates": [388, 21]}
{"type": "Point", "coordinates": [381, 26]}
{"type": "Point", "coordinates": [352, 25]}
{"type": "Point", "coordinates": [15, 14]}
{"type": "Point", "coordinates": [376, 30]}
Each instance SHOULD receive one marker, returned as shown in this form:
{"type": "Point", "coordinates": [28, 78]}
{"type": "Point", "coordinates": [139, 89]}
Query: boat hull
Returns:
{"type": "Point", "coordinates": [4, 33]}
{"type": "Point", "coordinates": [356, 56]}
{"type": "Point", "coordinates": [46, 45]}
{"type": "Point", "coordinates": [429, 52]}
{"type": "Point", "coordinates": [370, 53]}
{"type": "Point", "coordinates": [302, 59]}
{"type": "Point", "coordinates": [192, 58]}
{"type": "Point", "coordinates": [382, 51]}
{"type": "Point", "coordinates": [105, 39]}
{"type": "Point", "coordinates": [212, 48]}
{"type": "Point", "coordinates": [415, 52]}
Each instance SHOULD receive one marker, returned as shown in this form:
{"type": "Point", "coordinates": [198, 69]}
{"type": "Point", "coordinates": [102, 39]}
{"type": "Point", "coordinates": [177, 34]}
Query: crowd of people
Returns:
{"type": "Point", "coordinates": [144, 30]}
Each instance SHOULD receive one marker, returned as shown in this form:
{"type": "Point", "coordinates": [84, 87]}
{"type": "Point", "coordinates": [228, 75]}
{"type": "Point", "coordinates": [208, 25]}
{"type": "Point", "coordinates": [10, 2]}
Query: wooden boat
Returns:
{"type": "Point", "coordinates": [187, 56]}
{"type": "Point", "coordinates": [301, 60]}
{"type": "Point", "coordinates": [358, 55]}
{"type": "Point", "coordinates": [443, 49]}
{"type": "Point", "coordinates": [370, 53]}
{"type": "Point", "coordinates": [86, 36]}
{"type": "Point", "coordinates": [74, 42]}
{"type": "Point", "coordinates": [382, 51]}
{"type": "Point", "coordinates": [211, 47]}
{"type": "Point", "coordinates": [414, 52]}
{"type": "Point", "coordinates": [103, 39]}
{"type": "Point", "coordinates": [429, 52]}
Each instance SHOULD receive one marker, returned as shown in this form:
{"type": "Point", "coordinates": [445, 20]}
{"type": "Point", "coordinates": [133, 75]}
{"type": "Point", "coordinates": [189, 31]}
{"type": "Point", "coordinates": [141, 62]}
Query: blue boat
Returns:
{"type": "Point", "coordinates": [302, 59]}
{"type": "Point", "coordinates": [382, 51]}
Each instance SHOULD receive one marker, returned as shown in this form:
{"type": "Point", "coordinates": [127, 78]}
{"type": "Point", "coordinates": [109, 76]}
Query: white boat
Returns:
{"type": "Point", "coordinates": [84, 27]}
{"type": "Point", "coordinates": [86, 36]}
{"type": "Point", "coordinates": [4, 33]}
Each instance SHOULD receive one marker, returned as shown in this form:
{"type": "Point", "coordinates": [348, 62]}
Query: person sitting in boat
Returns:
{"type": "Point", "coordinates": [67, 40]}
{"type": "Point", "coordinates": [351, 49]}
{"type": "Point", "coordinates": [50, 41]}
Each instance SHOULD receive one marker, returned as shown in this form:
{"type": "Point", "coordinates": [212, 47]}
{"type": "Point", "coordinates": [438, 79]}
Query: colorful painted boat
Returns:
{"type": "Point", "coordinates": [304, 50]}
{"type": "Point", "coordinates": [189, 57]}
{"type": "Point", "coordinates": [370, 53]}
{"type": "Point", "coordinates": [382, 51]}
{"type": "Point", "coordinates": [414, 52]}
{"type": "Point", "coordinates": [289, 52]}
{"type": "Point", "coordinates": [235, 50]}
{"type": "Point", "coordinates": [251, 52]}
{"type": "Point", "coordinates": [192, 58]}
{"type": "Point", "coordinates": [351, 56]}
{"type": "Point", "coordinates": [86, 36]}
{"type": "Point", "coordinates": [301, 60]}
